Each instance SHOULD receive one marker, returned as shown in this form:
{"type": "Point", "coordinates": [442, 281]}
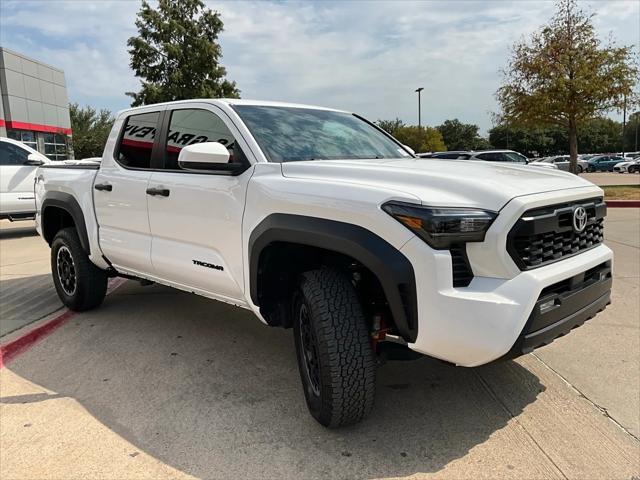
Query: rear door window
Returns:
{"type": "Point", "coordinates": [137, 139]}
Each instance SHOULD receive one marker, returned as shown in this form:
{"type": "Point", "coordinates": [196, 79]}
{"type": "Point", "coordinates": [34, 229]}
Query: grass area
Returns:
{"type": "Point", "coordinates": [621, 192]}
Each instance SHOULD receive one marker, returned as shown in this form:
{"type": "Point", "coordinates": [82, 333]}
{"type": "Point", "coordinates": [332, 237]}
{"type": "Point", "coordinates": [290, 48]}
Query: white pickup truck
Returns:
{"type": "Point", "coordinates": [315, 219]}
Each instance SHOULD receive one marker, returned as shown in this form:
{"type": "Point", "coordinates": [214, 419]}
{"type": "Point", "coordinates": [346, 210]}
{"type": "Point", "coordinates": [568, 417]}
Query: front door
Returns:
{"type": "Point", "coordinates": [120, 195]}
{"type": "Point", "coordinates": [196, 217]}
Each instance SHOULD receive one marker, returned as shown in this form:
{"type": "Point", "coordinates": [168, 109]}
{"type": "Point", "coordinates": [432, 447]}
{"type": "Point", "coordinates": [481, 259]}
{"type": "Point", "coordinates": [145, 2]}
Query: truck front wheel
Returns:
{"type": "Point", "coordinates": [79, 283]}
{"type": "Point", "coordinates": [335, 355]}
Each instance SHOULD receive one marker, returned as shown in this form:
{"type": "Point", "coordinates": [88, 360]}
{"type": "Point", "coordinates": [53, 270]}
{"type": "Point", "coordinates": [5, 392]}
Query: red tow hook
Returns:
{"type": "Point", "coordinates": [379, 331]}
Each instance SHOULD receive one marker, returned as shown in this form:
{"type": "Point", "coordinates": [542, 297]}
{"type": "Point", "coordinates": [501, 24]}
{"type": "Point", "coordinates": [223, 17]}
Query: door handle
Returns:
{"type": "Point", "coordinates": [163, 192]}
{"type": "Point", "coordinates": [103, 187]}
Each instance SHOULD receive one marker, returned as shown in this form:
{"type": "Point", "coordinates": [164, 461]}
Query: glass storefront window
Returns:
{"type": "Point", "coordinates": [55, 146]}
{"type": "Point", "coordinates": [26, 137]}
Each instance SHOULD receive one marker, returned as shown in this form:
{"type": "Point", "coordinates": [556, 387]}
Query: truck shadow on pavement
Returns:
{"type": "Point", "coordinates": [206, 389]}
{"type": "Point", "coordinates": [26, 299]}
{"type": "Point", "coordinates": [17, 232]}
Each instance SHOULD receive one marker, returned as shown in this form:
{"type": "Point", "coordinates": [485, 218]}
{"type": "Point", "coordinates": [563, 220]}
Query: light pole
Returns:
{"type": "Point", "coordinates": [624, 123]}
{"type": "Point", "coordinates": [418, 90]}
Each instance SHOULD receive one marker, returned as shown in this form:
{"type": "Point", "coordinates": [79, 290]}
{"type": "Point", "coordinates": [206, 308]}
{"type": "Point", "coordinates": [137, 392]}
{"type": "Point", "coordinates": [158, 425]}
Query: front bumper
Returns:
{"type": "Point", "coordinates": [480, 323]}
{"type": "Point", "coordinates": [563, 307]}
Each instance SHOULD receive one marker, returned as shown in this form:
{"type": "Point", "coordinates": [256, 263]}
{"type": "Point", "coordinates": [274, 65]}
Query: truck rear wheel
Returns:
{"type": "Point", "coordinates": [79, 283]}
{"type": "Point", "coordinates": [335, 355]}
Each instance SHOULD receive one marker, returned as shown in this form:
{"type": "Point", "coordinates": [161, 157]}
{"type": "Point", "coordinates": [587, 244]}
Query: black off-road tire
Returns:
{"type": "Point", "coordinates": [79, 283]}
{"type": "Point", "coordinates": [329, 325]}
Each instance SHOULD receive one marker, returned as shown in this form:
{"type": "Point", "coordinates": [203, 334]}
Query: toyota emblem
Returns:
{"type": "Point", "coordinates": [579, 219]}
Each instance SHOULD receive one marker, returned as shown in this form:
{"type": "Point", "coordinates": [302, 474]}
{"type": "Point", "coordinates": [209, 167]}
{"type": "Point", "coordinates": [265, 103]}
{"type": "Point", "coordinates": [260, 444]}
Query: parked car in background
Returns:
{"type": "Point", "coordinates": [562, 162]}
{"type": "Point", "coordinates": [603, 163]}
{"type": "Point", "coordinates": [632, 166]}
{"type": "Point", "coordinates": [508, 156]}
{"type": "Point", "coordinates": [18, 164]}
{"type": "Point", "coordinates": [452, 155]}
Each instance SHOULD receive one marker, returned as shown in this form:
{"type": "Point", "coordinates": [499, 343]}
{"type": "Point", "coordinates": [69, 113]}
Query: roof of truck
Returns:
{"type": "Point", "coordinates": [236, 101]}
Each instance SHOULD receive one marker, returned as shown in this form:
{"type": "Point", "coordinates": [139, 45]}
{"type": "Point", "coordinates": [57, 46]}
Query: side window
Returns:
{"type": "Point", "coordinates": [136, 140]}
{"type": "Point", "coordinates": [190, 126]}
{"type": "Point", "coordinates": [491, 157]}
{"type": "Point", "coordinates": [513, 157]}
{"type": "Point", "coordinates": [12, 154]}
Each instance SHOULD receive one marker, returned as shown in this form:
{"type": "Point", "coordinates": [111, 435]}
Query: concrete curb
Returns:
{"type": "Point", "coordinates": [623, 203]}
{"type": "Point", "coordinates": [13, 348]}
{"type": "Point", "coordinates": [30, 335]}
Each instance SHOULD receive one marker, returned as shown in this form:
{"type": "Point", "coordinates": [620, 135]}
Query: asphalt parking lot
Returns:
{"type": "Point", "coordinates": [162, 384]}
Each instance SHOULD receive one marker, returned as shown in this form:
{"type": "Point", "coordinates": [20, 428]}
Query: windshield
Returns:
{"type": "Point", "coordinates": [288, 134]}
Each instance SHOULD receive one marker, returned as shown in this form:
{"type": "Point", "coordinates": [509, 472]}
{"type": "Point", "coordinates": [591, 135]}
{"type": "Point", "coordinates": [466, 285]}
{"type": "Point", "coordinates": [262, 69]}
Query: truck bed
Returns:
{"type": "Point", "coordinates": [70, 184]}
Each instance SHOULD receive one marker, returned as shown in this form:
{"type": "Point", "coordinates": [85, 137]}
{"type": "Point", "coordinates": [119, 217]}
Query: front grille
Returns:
{"type": "Point", "coordinates": [545, 235]}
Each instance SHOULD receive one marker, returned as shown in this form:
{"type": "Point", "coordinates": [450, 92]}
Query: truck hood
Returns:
{"type": "Point", "coordinates": [450, 183]}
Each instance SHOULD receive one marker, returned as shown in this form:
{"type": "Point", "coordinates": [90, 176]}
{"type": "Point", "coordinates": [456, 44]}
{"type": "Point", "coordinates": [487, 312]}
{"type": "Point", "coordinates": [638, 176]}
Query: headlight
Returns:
{"type": "Point", "coordinates": [442, 227]}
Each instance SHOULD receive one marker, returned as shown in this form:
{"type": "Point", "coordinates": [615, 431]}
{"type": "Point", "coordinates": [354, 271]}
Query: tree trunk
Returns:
{"type": "Point", "coordinates": [573, 147]}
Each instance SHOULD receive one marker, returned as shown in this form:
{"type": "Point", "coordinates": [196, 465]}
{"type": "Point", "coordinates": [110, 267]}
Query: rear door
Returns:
{"type": "Point", "coordinates": [16, 180]}
{"type": "Point", "coordinates": [197, 226]}
{"type": "Point", "coordinates": [120, 196]}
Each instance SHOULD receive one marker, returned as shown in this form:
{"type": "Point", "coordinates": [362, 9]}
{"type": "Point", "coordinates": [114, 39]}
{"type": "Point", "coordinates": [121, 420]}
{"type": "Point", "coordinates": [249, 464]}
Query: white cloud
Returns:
{"type": "Point", "coordinates": [363, 56]}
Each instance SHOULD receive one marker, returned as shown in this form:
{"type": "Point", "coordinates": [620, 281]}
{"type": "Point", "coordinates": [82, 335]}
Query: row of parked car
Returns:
{"type": "Point", "coordinates": [507, 156]}
{"type": "Point", "coordinates": [621, 163]}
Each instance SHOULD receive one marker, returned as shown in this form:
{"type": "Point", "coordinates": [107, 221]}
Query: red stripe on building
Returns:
{"type": "Point", "coordinates": [2, 124]}
{"type": "Point", "coordinates": [37, 127]}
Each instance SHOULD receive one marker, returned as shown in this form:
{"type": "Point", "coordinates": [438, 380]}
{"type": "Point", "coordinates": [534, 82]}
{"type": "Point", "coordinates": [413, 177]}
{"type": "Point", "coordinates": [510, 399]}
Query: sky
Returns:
{"type": "Point", "coordinates": [363, 56]}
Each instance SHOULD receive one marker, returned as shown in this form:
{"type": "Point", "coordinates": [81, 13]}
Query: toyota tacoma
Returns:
{"type": "Point", "coordinates": [316, 219]}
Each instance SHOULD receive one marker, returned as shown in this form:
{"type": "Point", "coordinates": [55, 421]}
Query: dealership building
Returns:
{"type": "Point", "coordinates": [34, 107]}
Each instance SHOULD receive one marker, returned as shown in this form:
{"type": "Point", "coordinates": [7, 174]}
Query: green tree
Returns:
{"type": "Point", "coordinates": [532, 142]}
{"type": "Point", "coordinates": [564, 76]}
{"type": "Point", "coordinates": [461, 136]}
{"type": "Point", "coordinates": [390, 126]}
{"type": "Point", "coordinates": [600, 135]}
{"type": "Point", "coordinates": [176, 53]}
{"type": "Point", "coordinates": [632, 133]}
{"type": "Point", "coordinates": [597, 135]}
{"type": "Point", "coordinates": [421, 139]}
{"type": "Point", "coordinates": [90, 130]}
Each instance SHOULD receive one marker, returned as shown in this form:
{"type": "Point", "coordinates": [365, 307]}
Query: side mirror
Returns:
{"type": "Point", "coordinates": [208, 156]}
{"type": "Point", "coordinates": [33, 160]}
{"type": "Point", "coordinates": [409, 149]}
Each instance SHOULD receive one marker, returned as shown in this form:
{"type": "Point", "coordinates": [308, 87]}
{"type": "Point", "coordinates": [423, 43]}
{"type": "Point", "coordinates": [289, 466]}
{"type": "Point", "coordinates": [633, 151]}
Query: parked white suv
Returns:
{"type": "Point", "coordinates": [316, 219]}
{"type": "Point", "coordinates": [508, 156]}
{"type": "Point", "coordinates": [562, 162]}
{"type": "Point", "coordinates": [18, 163]}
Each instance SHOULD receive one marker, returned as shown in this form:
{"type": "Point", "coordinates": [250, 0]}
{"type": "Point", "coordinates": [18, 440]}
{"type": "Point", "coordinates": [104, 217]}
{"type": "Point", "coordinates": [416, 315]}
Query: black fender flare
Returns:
{"type": "Point", "coordinates": [393, 270]}
{"type": "Point", "coordinates": [69, 204]}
